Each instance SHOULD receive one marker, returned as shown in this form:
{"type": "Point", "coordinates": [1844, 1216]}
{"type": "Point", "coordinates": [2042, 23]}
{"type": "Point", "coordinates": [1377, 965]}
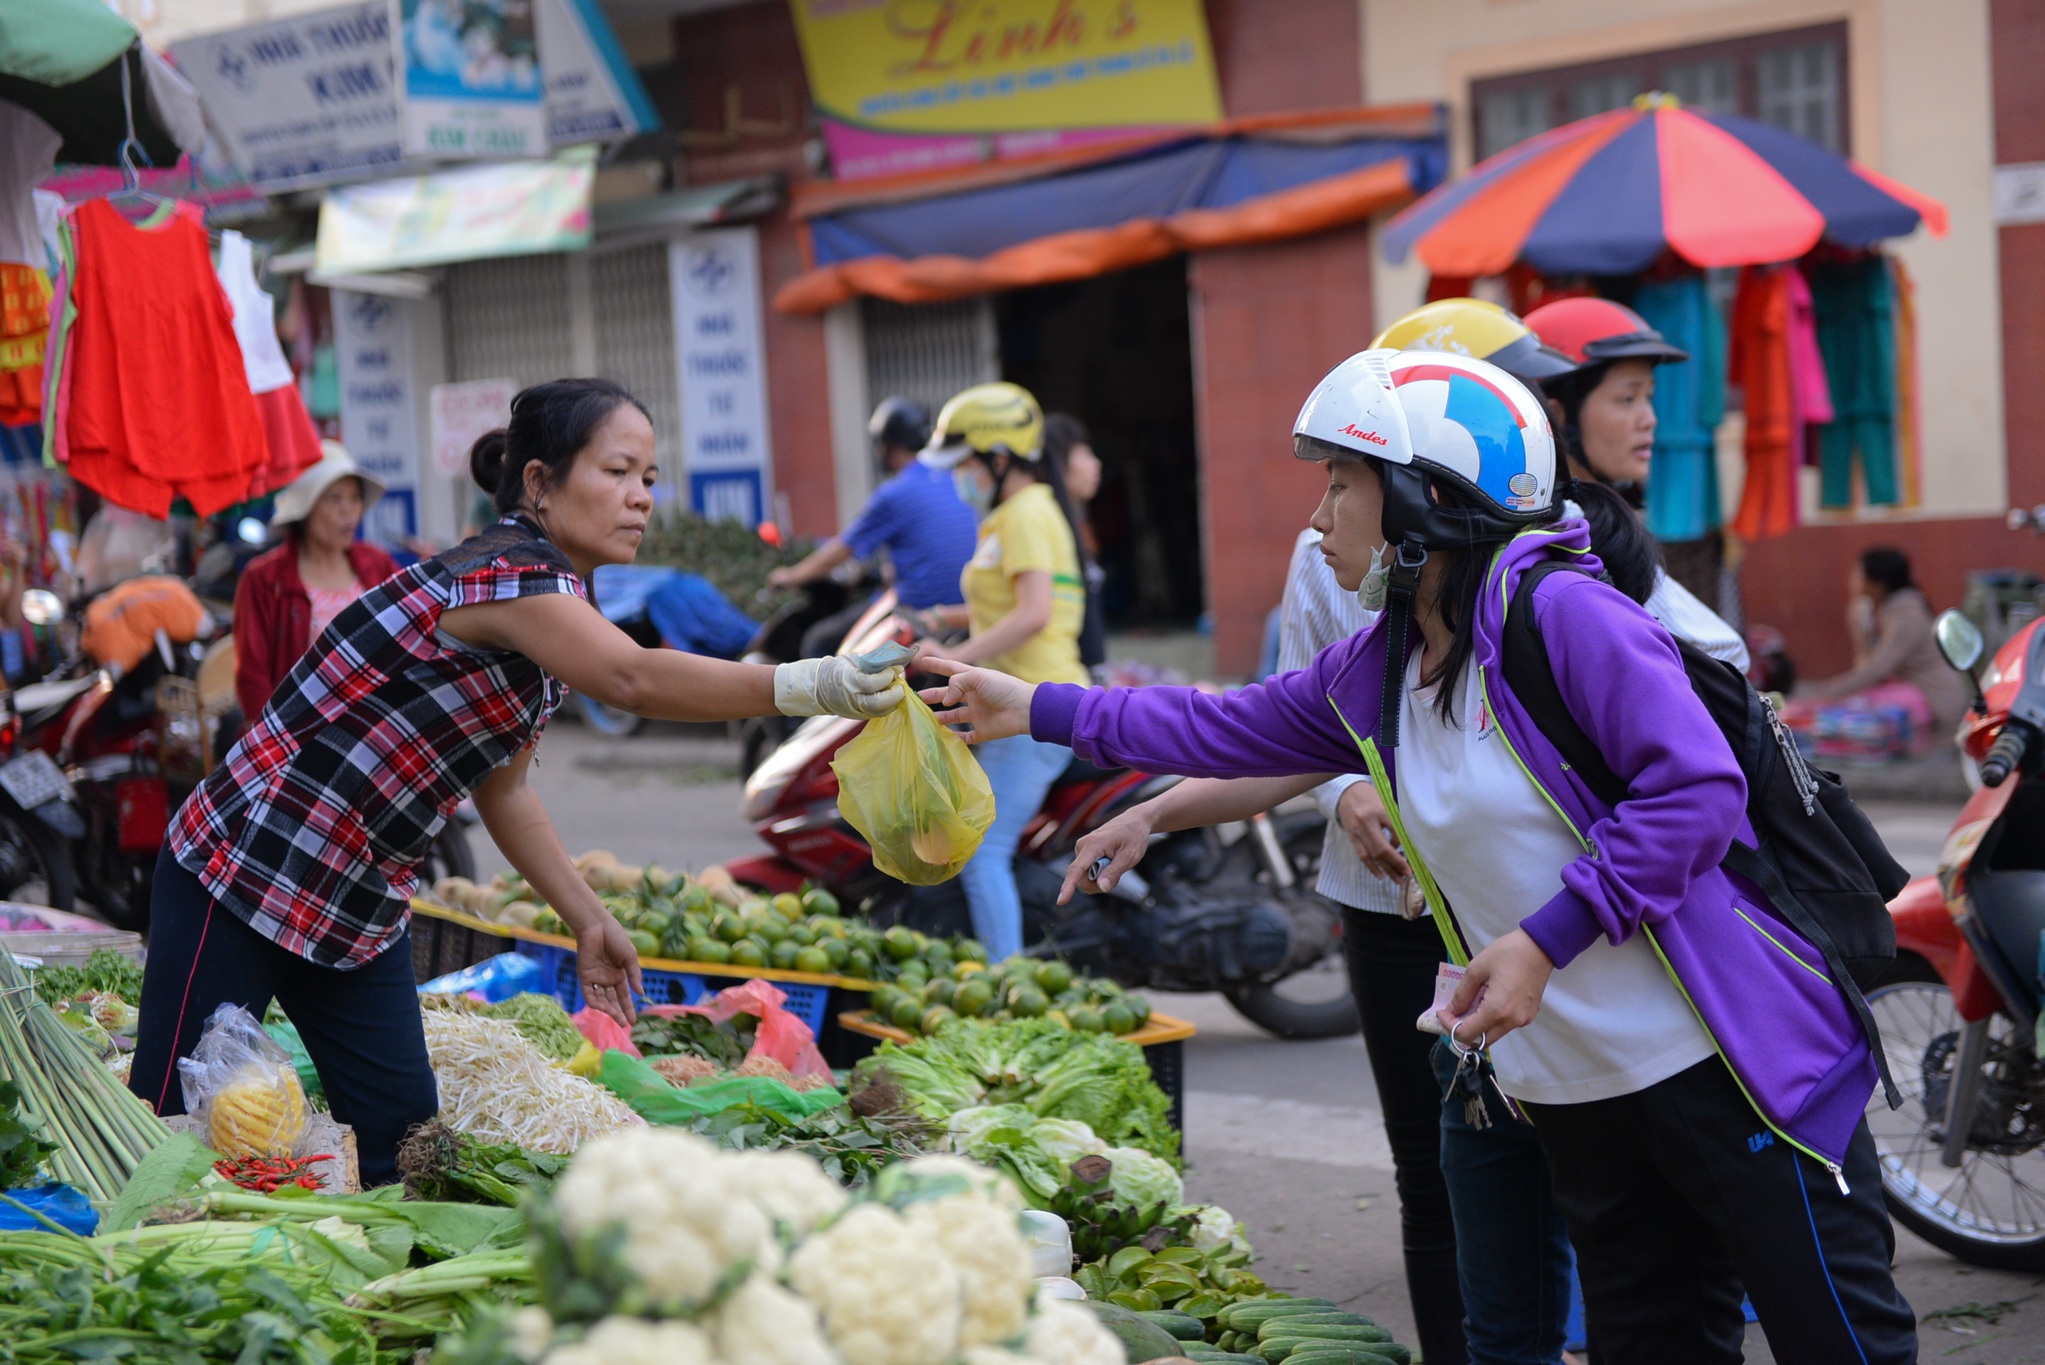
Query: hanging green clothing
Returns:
{"type": "Point", "coordinates": [1855, 312]}
{"type": "Point", "coordinates": [1689, 402]}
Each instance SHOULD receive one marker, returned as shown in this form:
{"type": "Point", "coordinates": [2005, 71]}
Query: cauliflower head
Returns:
{"type": "Point", "coordinates": [686, 1231]}
{"type": "Point", "coordinates": [764, 1324]}
{"type": "Point", "coordinates": [906, 1181]}
{"type": "Point", "coordinates": [986, 1248]}
{"type": "Point", "coordinates": [994, 1355]}
{"type": "Point", "coordinates": [888, 1294]}
{"type": "Point", "coordinates": [635, 1341]}
{"type": "Point", "coordinates": [1065, 1332]}
{"type": "Point", "coordinates": [788, 1187]}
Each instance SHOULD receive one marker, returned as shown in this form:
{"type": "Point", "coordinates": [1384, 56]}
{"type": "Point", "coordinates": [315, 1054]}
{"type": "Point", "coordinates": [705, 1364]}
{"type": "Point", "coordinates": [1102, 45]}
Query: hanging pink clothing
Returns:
{"type": "Point", "coordinates": [1809, 390]}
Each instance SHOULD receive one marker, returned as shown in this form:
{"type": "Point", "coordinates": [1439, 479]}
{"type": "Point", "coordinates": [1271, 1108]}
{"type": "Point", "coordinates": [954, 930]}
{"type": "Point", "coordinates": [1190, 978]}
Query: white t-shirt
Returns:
{"type": "Point", "coordinates": [1611, 1022]}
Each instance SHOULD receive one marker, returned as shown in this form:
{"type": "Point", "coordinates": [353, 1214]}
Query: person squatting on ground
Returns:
{"type": "Point", "coordinates": [1697, 1083]}
{"type": "Point", "coordinates": [288, 872]}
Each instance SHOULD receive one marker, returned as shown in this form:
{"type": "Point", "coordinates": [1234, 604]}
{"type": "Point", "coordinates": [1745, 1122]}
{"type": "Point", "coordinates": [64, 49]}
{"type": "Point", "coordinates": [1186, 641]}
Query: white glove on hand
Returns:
{"type": "Point", "coordinates": [834, 687]}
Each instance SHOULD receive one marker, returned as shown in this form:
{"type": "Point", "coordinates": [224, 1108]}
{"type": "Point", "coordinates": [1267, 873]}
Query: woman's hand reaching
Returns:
{"type": "Point", "coordinates": [608, 966]}
{"type": "Point", "coordinates": [993, 704]}
{"type": "Point", "coordinates": [1122, 841]}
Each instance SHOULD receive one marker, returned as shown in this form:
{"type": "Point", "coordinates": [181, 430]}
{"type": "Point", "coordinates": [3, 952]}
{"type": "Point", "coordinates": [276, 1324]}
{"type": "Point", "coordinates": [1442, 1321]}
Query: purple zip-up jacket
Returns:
{"type": "Point", "coordinates": [1650, 863]}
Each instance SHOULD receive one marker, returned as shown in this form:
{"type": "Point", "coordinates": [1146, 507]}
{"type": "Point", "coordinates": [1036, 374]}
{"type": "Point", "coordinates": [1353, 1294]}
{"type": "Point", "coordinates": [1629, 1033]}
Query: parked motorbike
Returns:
{"type": "Point", "coordinates": [1963, 1161]}
{"type": "Point", "coordinates": [1225, 909]}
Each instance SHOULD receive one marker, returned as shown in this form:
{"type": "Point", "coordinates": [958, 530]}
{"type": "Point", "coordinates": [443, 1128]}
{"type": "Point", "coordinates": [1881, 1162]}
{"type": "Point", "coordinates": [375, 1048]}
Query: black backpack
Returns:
{"type": "Point", "coordinates": [1818, 858]}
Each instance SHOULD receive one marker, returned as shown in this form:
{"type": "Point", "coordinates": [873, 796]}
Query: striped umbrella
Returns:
{"type": "Point", "coordinates": [1607, 195]}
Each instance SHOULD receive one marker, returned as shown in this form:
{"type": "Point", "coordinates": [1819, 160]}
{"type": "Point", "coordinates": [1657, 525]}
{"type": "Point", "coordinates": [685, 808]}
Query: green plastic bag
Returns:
{"type": "Point", "coordinates": [286, 1036]}
{"type": "Point", "coordinates": [916, 792]}
{"type": "Point", "coordinates": [653, 1098]}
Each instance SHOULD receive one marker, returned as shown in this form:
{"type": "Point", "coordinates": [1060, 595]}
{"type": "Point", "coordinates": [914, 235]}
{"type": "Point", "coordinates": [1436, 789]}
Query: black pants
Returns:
{"type": "Point", "coordinates": [360, 1027]}
{"type": "Point", "coordinates": [1391, 973]}
{"type": "Point", "coordinates": [1678, 1194]}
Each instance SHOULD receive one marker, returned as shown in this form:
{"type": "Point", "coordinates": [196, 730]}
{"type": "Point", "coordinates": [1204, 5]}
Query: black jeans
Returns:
{"type": "Point", "coordinates": [1678, 1194]}
{"type": "Point", "coordinates": [1391, 973]}
{"type": "Point", "coordinates": [360, 1027]}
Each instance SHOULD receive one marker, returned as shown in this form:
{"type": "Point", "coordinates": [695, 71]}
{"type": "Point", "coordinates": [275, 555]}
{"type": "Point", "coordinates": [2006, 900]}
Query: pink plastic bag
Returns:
{"type": "Point", "coordinates": [782, 1036]}
{"type": "Point", "coordinates": [604, 1032]}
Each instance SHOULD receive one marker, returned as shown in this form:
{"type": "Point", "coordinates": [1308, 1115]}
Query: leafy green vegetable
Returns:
{"type": "Point", "coordinates": [691, 1035]}
{"type": "Point", "coordinates": [22, 1147]}
{"type": "Point", "coordinates": [172, 1169]}
{"type": "Point", "coordinates": [1093, 1078]}
{"type": "Point", "coordinates": [105, 970]}
{"type": "Point", "coordinates": [439, 1163]}
{"type": "Point", "coordinates": [853, 1148]}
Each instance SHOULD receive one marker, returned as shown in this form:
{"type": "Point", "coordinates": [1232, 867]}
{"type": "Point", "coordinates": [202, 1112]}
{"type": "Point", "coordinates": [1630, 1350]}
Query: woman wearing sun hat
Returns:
{"type": "Point", "coordinates": [288, 596]}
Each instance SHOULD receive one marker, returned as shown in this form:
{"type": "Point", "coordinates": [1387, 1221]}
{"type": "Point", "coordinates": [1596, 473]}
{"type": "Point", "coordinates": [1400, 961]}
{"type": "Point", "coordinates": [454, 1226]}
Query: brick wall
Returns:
{"type": "Point", "coordinates": [2018, 33]}
{"type": "Point", "coordinates": [1269, 321]}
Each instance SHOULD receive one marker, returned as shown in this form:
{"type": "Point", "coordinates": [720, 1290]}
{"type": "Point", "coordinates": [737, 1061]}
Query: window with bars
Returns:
{"type": "Point", "coordinates": [1794, 79]}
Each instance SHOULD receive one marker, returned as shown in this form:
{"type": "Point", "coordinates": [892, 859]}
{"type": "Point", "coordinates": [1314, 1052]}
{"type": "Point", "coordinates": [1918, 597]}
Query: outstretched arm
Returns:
{"type": "Point", "coordinates": [1202, 801]}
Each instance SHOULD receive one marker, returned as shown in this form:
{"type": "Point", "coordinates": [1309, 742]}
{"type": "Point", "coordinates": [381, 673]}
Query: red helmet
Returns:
{"type": "Point", "coordinates": [1598, 331]}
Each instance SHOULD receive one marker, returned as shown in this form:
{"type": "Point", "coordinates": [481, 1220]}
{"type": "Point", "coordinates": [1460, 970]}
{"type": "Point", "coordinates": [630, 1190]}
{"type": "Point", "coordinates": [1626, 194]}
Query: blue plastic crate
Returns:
{"type": "Point", "coordinates": [807, 1002]}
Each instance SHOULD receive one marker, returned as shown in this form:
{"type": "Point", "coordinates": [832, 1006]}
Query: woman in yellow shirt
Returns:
{"type": "Point", "coordinates": [1025, 603]}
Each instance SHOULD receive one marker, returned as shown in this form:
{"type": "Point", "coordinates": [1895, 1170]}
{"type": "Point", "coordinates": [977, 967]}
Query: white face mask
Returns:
{"type": "Point", "coordinates": [972, 492]}
{"type": "Point", "coordinates": [1370, 594]}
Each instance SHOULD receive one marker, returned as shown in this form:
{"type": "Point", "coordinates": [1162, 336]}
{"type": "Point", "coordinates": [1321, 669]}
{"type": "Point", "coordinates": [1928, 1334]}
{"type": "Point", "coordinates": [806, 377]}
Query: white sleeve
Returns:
{"type": "Point", "coordinates": [1686, 618]}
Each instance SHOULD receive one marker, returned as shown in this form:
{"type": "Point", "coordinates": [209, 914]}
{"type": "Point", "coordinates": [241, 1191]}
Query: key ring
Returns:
{"type": "Point", "coordinates": [1457, 1046]}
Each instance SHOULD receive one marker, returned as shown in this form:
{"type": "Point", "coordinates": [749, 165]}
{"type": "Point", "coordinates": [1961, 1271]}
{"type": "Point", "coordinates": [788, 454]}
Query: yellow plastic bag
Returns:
{"type": "Point", "coordinates": [915, 791]}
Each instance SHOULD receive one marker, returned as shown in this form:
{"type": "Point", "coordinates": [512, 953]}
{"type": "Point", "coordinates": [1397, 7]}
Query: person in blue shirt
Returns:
{"type": "Point", "coordinates": [916, 515]}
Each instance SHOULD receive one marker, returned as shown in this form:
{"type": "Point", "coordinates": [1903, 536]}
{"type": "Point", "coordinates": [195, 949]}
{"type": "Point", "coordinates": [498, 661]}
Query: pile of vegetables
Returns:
{"type": "Point", "coordinates": [656, 1247]}
{"type": "Point", "coordinates": [497, 1087]}
{"type": "Point", "coordinates": [100, 1130]}
{"type": "Point", "coordinates": [97, 1001]}
{"type": "Point", "coordinates": [1019, 988]}
{"type": "Point", "coordinates": [1098, 1080]}
{"type": "Point", "coordinates": [539, 1018]}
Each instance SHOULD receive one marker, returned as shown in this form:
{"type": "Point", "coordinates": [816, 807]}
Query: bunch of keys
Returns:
{"type": "Point", "coordinates": [1469, 1081]}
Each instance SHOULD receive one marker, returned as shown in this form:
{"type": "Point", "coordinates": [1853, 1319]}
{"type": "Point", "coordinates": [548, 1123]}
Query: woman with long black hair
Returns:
{"type": "Point", "coordinates": [288, 873]}
{"type": "Point", "coordinates": [1696, 1080]}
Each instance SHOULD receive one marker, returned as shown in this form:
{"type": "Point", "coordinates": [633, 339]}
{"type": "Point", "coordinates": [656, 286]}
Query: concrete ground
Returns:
{"type": "Point", "coordinates": [1285, 1135]}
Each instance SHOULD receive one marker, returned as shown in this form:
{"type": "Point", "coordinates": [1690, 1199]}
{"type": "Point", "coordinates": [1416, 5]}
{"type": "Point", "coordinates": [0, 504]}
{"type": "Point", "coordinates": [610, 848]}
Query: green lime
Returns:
{"type": "Point", "coordinates": [812, 959]}
{"type": "Point", "coordinates": [1028, 1003]}
{"type": "Point", "coordinates": [972, 998]}
{"type": "Point", "coordinates": [859, 964]}
{"type": "Point", "coordinates": [782, 955]}
{"type": "Point", "coordinates": [934, 1017]}
{"type": "Point", "coordinates": [789, 906]}
{"type": "Point", "coordinates": [744, 953]}
{"type": "Point", "coordinates": [802, 934]}
{"type": "Point", "coordinates": [828, 926]}
{"type": "Point", "coordinates": [1084, 1020]}
{"type": "Point", "coordinates": [818, 901]}
{"type": "Point", "coordinates": [770, 927]}
{"type": "Point", "coordinates": [970, 950]}
{"type": "Point", "coordinates": [699, 948]}
{"type": "Point", "coordinates": [1021, 969]}
{"type": "Point", "coordinates": [755, 905]}
{"type": "Point", "coordinates": [836, 951]}
{"type": "Point", "coordinates": [907, 1014]}
{"type": "Point", "coordinates": [1139, 1007]}
{"type": "Point", "coordinates": [730, 928]}
{"type": "Point", "coordinates": [695, 897]}
{"type": "Point", "coordinates": [939, 952]}
{"type": "Point", "coordinates": [1054, 977]}
{"type": "Point", "coordinates": [644, 944]}
{"type": "Point", "coordinates": [901, 943]}
{"type": "Point", "coordinates": [941, 991]}
{"type": "Point", "coordinates": [1119, 1018]}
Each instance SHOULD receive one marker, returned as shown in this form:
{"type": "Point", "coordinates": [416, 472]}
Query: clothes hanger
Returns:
{"type": "Point", "coordinates": [131, 194]}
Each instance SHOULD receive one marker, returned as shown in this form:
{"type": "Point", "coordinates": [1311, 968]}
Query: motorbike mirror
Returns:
{"type": "Point", "coordinates": [1959, 639]}
{"type": "Point", "coordinates": [41, 607]}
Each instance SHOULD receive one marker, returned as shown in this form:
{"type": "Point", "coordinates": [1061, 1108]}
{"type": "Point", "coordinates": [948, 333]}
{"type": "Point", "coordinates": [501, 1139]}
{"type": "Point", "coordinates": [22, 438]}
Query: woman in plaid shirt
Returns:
{"type": "Point", "coordinates": [289, 873]}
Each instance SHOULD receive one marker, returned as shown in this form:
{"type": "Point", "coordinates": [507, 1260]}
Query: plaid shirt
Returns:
{"type": "Point", "coordinates": [312, 830]}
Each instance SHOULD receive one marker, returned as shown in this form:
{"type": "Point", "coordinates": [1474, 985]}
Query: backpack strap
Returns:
{"type": "Point", "coordinates": [1531, 675]}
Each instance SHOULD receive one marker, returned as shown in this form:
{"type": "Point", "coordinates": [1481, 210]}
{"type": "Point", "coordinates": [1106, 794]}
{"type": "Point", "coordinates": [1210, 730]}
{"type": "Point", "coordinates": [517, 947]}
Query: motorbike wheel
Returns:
{"type": "Point", "coordinates": [449, 856]}
{"type": "Point", "coordinates": [1987, 1210]}
{"type": "Point", "coordinates": [35, 864]}
{"type": "Point", "coordinates": [607, 720]}
{"type": "Point", "coordinates": [1314, 1001]}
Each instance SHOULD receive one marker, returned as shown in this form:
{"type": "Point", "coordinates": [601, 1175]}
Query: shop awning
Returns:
{"type": "Point", "coordinates": [1077, 215]}
{"type": "Point", "coordinates": [664, 215]}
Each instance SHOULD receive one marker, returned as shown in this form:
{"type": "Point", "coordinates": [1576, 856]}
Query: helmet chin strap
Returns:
{"type": "Point", "coordinates": [1401, 591]}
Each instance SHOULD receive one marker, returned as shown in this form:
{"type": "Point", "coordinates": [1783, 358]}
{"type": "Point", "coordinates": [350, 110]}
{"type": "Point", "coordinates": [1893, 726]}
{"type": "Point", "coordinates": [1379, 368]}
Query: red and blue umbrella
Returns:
{"type": "Point", "coordinates": [1607, 195]}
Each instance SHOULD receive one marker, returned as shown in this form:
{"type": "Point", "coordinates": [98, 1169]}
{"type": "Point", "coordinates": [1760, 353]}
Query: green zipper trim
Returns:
{"type": "Point", "coordinates": [1731, 1070]}
{"type": "Point", "coordinates": [1778, 943]}
{"type": "Point", "coordinates": [1437, 906]}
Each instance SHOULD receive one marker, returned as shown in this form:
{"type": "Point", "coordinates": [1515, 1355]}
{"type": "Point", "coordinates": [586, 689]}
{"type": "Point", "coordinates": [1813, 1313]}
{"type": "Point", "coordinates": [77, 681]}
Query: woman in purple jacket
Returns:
{"type": "Point", "coordinates": [1696, 1079]}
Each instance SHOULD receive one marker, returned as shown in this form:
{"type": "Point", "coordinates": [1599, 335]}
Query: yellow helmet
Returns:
{"type": "Point", "coordinates": [984, 419]}
{"type": "Point", "coordinates": [1479, 330]}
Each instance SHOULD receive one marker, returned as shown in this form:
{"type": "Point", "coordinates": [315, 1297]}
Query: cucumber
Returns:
{"type": "Point", "coordinates": [1331, 1317]}
{"type": "Point", "coordinates": [1250, 1314]}
{"type": "Point", "coordinates": [1141, 1339]}
{"type": "Point", "coordinates": [1322, 1331]}
{"type": "Point", "coordinates": [1182, 1326]}
{"type": "Point", "coordinates": [1351, 1353]}
{"type": "Point", "coordinates": [1229, 1340]}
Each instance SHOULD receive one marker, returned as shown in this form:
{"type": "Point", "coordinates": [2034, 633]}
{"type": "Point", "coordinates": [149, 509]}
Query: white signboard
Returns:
{"type": "Point", "coordinates": [593, 95]}
{"type": "Point", "coordinates": [461, 413]}
{"type": "Point", "coordinates": [2020, 193]}
{"type": "Point", "coordinates": [714, 278]}
{"type": "Point", "coordinates": [379, 413]}
{"type": "Point", "coordinates": [470, 78]}
{"type": "Point", "coordinates": [301, 101]}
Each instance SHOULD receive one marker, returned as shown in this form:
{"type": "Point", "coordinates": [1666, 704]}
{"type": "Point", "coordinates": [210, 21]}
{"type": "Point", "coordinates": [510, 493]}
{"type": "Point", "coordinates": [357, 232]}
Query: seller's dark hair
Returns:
{"type": "Point", "coordinates": [1619, 538]}
{"type": "Point", "coordinates": [1887, 567]}
{"type": "Point", "coordinates": [550, 423]}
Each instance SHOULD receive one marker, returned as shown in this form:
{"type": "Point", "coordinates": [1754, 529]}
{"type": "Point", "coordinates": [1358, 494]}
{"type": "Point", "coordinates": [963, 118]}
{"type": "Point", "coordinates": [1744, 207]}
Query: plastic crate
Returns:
{"type": "Point", "coordinates": [1168, 1069]}
{"type": "Point", "coordinates": [809, 1003]}
{"type": "Point", "coordinates": [441, 946]}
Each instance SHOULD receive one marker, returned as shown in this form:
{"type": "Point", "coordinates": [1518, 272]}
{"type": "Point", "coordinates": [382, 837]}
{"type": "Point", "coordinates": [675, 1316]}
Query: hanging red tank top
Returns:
{"type": "Point", "coordinates": [159, 397]}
